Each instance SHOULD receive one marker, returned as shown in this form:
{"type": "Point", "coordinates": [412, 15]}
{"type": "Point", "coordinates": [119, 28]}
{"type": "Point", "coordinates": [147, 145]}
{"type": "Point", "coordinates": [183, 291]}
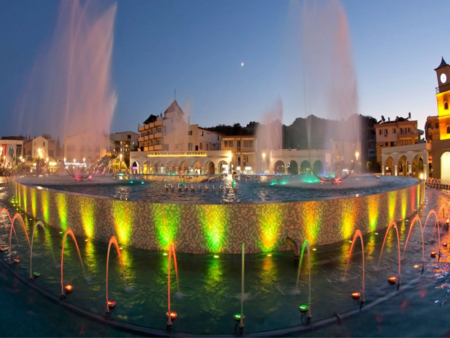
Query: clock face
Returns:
{"type": "Point", "coordinates": [443, 78]}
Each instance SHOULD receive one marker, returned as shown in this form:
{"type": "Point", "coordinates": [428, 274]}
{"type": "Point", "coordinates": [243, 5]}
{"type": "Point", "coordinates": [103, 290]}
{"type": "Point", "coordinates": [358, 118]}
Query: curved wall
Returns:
{"type": "Point", "coordinates": [209, 228]}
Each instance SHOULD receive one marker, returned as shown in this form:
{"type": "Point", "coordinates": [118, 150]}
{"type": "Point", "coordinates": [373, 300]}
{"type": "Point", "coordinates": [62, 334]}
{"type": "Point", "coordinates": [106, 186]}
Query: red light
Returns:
{"type": "Point", "coordinates": [444, 244]}
{"type": "Point", "coordinates": [356, 295]}
{"type": "Point", "coordinates": [433, 253]}
{"type": "Point", "coordinates": [111, 304]}
{"type": "Point", "coordinates": [68, 288]}
{"type": "Point", "coordinates": [2, 249]}
{"type": "Point", "coordinates": [392, 280]}
{"type": "Point", "coordinates": [16, 260]}
{"type": "Point", "coordinates": [172, 315]}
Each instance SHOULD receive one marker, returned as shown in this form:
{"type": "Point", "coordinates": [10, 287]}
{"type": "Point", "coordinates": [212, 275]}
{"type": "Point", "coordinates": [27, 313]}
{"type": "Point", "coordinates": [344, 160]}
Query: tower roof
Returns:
{"type": "Point", "coordinates": [174, 107]}
{"type": "Point", "coordinates": [443, 64]}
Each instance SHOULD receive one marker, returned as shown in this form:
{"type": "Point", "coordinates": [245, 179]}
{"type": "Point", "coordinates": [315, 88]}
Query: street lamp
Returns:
{"type": "Point", "coordinates": [357, 156]}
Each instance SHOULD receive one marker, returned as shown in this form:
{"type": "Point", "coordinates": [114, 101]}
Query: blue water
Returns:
{"type": "Point", "coordinates": [276, 188]}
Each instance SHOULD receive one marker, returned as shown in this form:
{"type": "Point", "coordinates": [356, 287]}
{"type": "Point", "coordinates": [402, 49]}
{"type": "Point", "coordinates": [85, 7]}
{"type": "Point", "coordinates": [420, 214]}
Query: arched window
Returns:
{"type": "Point", "coordinates": [448, 129]}
{"type": "Point", "coordinates": [446, 105]}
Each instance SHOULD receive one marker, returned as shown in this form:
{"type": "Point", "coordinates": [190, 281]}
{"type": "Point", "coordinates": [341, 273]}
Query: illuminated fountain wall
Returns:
{"type": "Point", "coordinates": [221, 228]}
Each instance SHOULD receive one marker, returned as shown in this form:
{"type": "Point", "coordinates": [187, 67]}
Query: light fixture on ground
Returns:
{"type": "Point", "coordinates": [356, 295]}
{"type": "Point", "coordinates": [392, 280]}
{"type": "Point", "coordinates": [68, 288]}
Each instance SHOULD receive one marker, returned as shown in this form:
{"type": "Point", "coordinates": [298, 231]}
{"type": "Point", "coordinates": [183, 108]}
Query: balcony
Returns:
{"type": "Point", "coordinates": [141, 128]}
{"type": "Point", "coordinates": [157, 147]}
{"type": "Point", "coordinates": [158, 135]}
{"type": "Point", "coordinates": [140, 139]}
{"type": "Point", "coordinates": [158, 123]}
{"type": "Point", "coordinates": [150, 148]}
{"type": "Point", "coordinates": [146, 138]}
{"type": "Point", "coordinates": [147, 127]}
{"type": "Point", "coordinates": [151, 137]}
{"type": "Point", "coordinates": [443, 88]}
{"type": "Point", "coordinates": [152, 125]}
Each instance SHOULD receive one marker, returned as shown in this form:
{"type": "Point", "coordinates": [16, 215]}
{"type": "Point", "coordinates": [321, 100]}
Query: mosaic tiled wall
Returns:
{"type": "Point", "coordinates": [204, 228]}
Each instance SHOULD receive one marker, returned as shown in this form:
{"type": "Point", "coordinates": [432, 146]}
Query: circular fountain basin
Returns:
{"type": "Point", "coordinates": [261, 212]}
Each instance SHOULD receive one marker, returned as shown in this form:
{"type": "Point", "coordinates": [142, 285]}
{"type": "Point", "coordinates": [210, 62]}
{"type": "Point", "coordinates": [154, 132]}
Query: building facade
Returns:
{"type": "Point", "coordinates": [242, 148]}
{"type": "Point", "coordinates": [124, 143]}
{"type": "Point", "coordinates": [11, 150]}
{"type": "Point", "coordinates": [87, 147]}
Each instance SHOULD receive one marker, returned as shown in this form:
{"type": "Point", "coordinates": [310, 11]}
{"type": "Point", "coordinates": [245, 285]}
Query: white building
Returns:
{"type": "Point", "coordinates": [11, 150]}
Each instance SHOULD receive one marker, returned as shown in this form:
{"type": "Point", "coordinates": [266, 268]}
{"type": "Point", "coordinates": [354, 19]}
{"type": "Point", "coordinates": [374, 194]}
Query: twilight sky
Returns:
{"type": "Point", "coordinates": [197, 48]}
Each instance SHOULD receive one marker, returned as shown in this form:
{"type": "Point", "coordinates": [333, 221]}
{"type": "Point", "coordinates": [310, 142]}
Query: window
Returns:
{"type": "Point", "coordinates": [43, 143]}
{"type": "Point", "coordinates": [445, 105]}
{"type": "Point", "coordinates": [207, 146]}
{"type": "Point", "coordinates": [395, 130]}
{"type": "Point", "coordinates": [385, 132]}
{"type": "Point", "coordinates": [436, 125]}
{"type": "Point", "coordinates": [245, 159]}
{"type": "Point", "coordinates": [189, 146]}
{"type": "Point", "coordinates": [190, 132]}
{"type": "Point", "coordinates": [381, 144]}
{"type": "Point", "coordinates": [386, 144]}
{"type": "Point", "coordinates": [448, 129]}
{"type": "Point", "coordinates": [201, 134]}
{"type": "Point", "coordinates": [248, 144]}
{"type": "Point", "coordinates": [129, 136]}
{"type": "Point", "coordinates": [380, 132]}
{"type": "Point", "coordinates": [218, 138]}
{"type": "Point", "coordinates": [201, 146]}
{"type": "Point", "coordinates": [230, 144]}
{"type": "Point", "coordinates": [392, 144]}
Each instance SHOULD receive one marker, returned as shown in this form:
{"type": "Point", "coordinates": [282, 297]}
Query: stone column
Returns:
{"type": "Point", "coordinates": [409, 169]}
{"type": "Point", "coordinates": [425, 171]}
{"type": "Point", "coordinates": [382, 169]}
{"type": "Point", "coordinates": [395, 170]}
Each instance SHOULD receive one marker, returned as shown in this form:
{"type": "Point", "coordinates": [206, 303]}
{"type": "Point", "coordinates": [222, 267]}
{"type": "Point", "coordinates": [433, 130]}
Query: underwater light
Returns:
{"type": "Point", "coordinates": [314, 249]}
{"type": "Point", "coordinates": [36, 274]}
{"type": "Point", "coordinates": [111, 304]}
{"type": "Point", "coordinates": [16, 260]}
{"type": "Point", "coordinates": [172, 315]}
{"type": "Point", "coordinates": [142, 182]}
{"type": "Point", "coordinates": [392, 280]}
{"type": "Point", "coordinates": [216, 256]}
{"type": "Point", "coordinates": [165, 254]}
{"type": "Point", "coordinates": [356, 295]}
{"type": "Point", "coordinates": [444, 244]}
{"type": "Point", "coordinates": [237, 317]}
{"type": "Point", "coordinates": [416, 266]}
{"type": "Point", "coordinates": [376, 234]}
{"type": "Point", "coordinates": [60, 232]}
{"type": "Point", "coordinates": [131, 182]}
{"type": "Point", "coordinates": [69, 288]}
{"type": "Point", "coordinates": [2, 249]}
{"type": "Point", "coordinates": [269, 255]}
{"type": "Point", "coordinates": [433, 254]}
{"type": "Point", "coordinates": [303, 308]}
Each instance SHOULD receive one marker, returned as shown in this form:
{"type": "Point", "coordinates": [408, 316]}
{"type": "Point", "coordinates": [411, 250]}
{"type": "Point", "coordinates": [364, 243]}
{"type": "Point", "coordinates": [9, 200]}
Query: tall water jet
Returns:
{"type": "Point", "coordinates": [432, 212]}
{"type": "Point", "coordinates": [10, 221]}
{"type": "Point", "coordinates": [69, 91]}
{"type": "Point", "coordinates": [355, 237]}
{"type": "Point", "coordinates": [392, 224]}
{"type": "Point", "coordinates": [31, 247]}
{"type": "Point", "coordinates": [330, 85]}
{"type": "Point", "coordinates": [68, 232]}
{"type": "Point", "coordinates": [269, 135]}
{"type": "Point", "coordinates": [16, 216]}
{"type": "Point", "coordinates": [413, 222]}
{"type": "Point", "coordinates": [171, 315]}
{"type": "Point", "coordinates": [112, 240]}
{"type": "Point", "coordinates": [305, 244]}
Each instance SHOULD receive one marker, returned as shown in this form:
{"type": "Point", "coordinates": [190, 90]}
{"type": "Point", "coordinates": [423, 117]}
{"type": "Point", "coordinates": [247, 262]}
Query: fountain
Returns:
{"type": "Point", "coordinates": [16, 216]}
{"type": "Point", "coordinates": [36, 274]}
{"type": "Point", "coordinates": [68, 287]}
{"type": "Point", "coordinates": [112, 240]}
{"type": "Point", "coordinates": [392, 224]}
{"type": "Point", "coordinates": [302, 307]}
{"type": "Point", "coordinates": [171, 315]}
{"type": "Point", "coordinates": [355, 237]}
{"type": "Point", "coordinates": [413, 222]}
{"type": "Point", "coordinates": [433, 213]}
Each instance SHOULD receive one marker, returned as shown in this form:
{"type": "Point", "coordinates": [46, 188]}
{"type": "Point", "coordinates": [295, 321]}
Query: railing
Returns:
{"type": "Point", "coordinates": [443, 88]}
{"type": "Point", "coordinates": [437, 183]}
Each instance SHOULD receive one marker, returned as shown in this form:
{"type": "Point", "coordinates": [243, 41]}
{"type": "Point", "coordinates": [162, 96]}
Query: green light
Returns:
{"type": "Point", "coordinates": [237, 316]}
{"type": "Point", "coordinates": [131, 182]}
{"type": "Point", "coordinates": [166, 218]}
{"type": "Point", "coordinates": [142, 182]}
{"type": "Point", "coordinates": [213, 219]}
{"type": "Point", "coordinates": [216, 256]}
{"type": "Point", "coordinates": [303, 308]}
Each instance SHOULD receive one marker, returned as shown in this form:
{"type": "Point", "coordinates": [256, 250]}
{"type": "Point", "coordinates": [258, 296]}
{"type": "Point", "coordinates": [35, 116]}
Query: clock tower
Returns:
{"type": "Point", "coordinates": [443, 98]}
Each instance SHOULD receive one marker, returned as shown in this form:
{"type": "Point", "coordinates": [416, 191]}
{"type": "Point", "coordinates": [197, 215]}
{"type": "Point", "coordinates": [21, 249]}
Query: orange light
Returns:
{"type": "Point", "coordinates": [111, 304]}
{"type": "Point", "coordinates": [416, 266]}
{"type": "Point", "coordinates": [356, 295]}
{"type": "Point", "coordinates": [16, 260]}
{"type": "Point", "coordinates": [433, 253]}
{"type": "Point", "coordinates": [444, 244]}
{"type": "Point", "coordinates": [68, 288]}
{"type": "Point", "coordinates": [172, 315]}
{"type": "Point", "coordinates": [392, 280]}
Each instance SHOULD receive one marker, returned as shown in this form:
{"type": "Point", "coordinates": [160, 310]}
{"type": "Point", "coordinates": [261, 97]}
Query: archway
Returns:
{"type": "Point", "coordinates": [278, 168]}
{"type": "Point", "coordinates": [318, 167]}
{"type": "Point", "coordinates": [209, 168]}
{"type": "Point", "coordinates": [402, 168]}
{"type": "Point", "coordinates": [417, 166]}
{"type": "Point", "coordinates": [157, 168]}
{"type": "Point", "coordinates": [445, 165]}
{"type": "Point", "coordinates": [146, 168]}
{"type": "Point", "coordinates": [135, 167]}
{"type": "Point", "coordinates": [389, 166]}
{"type": "Point", "coordinates": [183, 168]}
{"type": "Point", "coordinates": [170, 167]}
{"type": "Point", "coordinates": [223, 168]}
{"type": "Point", "coordinates": [305, 167]}
{"type": "Point", "coordinates": [293, 168]}
{"type": "Point", "coordinates": [197, 166]}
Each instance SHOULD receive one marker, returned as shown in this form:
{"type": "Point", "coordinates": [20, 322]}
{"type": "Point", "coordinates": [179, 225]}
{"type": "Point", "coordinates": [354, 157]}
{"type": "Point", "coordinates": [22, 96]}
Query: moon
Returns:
{"type": "Point", "coordinates": [242, 64]}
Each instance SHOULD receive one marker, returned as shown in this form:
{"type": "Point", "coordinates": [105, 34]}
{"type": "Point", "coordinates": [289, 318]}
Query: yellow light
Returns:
{"type": "Point", "coordinates": [421, 176]}
{"type": "Point", "coordinates": [64, 159]}
{"type": "Point", "coordinates": [74, 160]}
{"type": "Point", "coordinates": [193, 154]}
{"type": "Point", "coordinates": [84, 159]}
